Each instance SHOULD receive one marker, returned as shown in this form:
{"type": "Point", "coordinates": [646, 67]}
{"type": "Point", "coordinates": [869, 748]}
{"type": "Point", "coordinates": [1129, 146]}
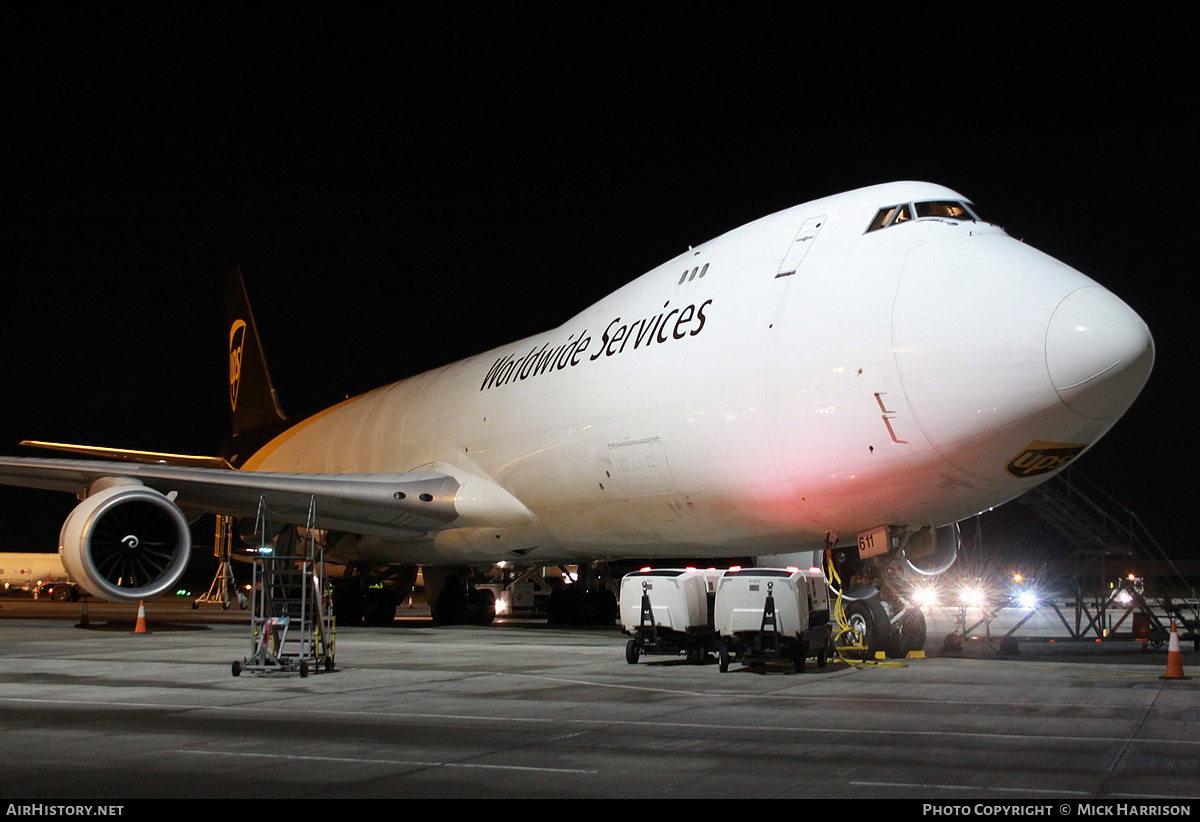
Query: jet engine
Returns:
{"type": "Point", "coordinates": [932, 552]}
{"type": "Point", "coordinates": [125, 542]}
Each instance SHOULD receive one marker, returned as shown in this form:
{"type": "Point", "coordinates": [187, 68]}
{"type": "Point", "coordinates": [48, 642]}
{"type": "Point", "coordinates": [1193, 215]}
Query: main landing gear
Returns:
{"type": "Point", "coordinates": [454, 601]}
{"type": "Point", "coordinates": [873, 630]}
{"type": "Point", "coordinates": [871, 607]}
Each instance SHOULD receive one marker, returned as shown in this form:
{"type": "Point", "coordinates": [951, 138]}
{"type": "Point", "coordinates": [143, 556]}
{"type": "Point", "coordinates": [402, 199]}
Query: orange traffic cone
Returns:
{"type": "Point", "coordinates": [1174, 658]}
{"type": "Point", "coordinates": [140, 628]}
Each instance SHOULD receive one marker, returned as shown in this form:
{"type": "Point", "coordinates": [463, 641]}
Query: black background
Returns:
{"type": "Point", "coordinates": [402, 189]}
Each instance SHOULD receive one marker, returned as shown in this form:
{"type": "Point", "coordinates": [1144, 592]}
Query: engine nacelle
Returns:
{"type": "Point", "coordinates": [125, 542]}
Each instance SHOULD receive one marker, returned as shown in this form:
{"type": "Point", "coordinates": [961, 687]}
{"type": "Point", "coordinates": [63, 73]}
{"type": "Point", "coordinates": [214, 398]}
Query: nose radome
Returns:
{"type": "Point", "coordinates": [1099, 353]}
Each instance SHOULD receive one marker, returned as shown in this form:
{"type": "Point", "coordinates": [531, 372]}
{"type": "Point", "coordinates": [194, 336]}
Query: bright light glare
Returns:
{"type": "Point", "coordinates": [1027, 598]}
{"type": "Point", "coordinates": [925, 596]}
{"type": "Point", "coordinates": [972, 597]}
{"type": "Point", "coordinates": [501, 607]}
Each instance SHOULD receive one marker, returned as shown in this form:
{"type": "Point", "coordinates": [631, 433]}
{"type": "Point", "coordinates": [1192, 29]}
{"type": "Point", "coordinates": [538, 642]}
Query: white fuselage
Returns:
{"type": "Point", "coordinates": [719, 405]}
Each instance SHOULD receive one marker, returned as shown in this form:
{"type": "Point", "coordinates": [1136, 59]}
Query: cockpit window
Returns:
{"type": "Point", "coordinates": [938, 209]}
{"type": "Point", "coordinates": [882, 217]}
{"type": "Point", "coordinates": [944, 208]}
{"type": "Point", "coordinates": [889, 215]}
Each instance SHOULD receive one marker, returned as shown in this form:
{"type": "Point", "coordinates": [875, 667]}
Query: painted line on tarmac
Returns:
{"type": "Point", "coordinates": [936, 786]}
{"type": "Point", "coordinates": [407, 716]}
{"type": "Point", "coordinates": [415, 763]}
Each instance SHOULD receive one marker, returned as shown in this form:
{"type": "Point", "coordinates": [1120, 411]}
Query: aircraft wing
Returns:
{"type": "Point", "coordinates": [397, 504]}
{"type": "Point", "coordinates": [127, 455]}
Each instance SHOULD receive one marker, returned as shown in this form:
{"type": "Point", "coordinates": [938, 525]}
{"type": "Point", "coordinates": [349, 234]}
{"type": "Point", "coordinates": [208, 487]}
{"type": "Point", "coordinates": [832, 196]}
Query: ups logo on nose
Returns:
{"type": "Point", "coordinates": [1042, 457]}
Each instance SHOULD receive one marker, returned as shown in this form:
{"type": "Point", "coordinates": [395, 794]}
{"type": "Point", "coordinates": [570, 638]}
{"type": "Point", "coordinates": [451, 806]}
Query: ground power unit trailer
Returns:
{"type": "Point", "coordinates": [772, 615]}
{"type": "Point", "coordinates": [754, 615]}
{"type": "Point", "coordinates": [669, 611]}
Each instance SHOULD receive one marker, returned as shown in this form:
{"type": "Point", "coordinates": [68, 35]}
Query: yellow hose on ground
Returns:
{"type": "Point", "coordinates": [844, 627]}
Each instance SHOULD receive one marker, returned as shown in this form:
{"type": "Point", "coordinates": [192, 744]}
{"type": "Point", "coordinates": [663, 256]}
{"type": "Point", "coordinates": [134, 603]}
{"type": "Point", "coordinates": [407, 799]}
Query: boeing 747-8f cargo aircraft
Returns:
{"type": "Point", "coordinates": [861, 371]}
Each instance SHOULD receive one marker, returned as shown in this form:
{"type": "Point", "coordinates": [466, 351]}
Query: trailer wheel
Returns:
{"type": "Point", "coordinates": [723, 657]}
{"type": "Point", "coordinates": [631, 652]}
{"type": "Point", "coordinates": [800, 656]}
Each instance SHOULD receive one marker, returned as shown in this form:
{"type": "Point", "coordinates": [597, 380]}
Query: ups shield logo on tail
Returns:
{"type": "Point", "coordinates": [237, 339]}
{"type": "Point", "coordinates": [1042, 457]}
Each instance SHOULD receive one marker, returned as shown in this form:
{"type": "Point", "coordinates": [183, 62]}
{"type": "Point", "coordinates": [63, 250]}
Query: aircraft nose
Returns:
{"type": "Point", "coordinates": [1099, 353]}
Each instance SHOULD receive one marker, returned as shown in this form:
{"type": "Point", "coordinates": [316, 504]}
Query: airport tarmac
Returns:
{"type": "Point", "coordinates": [524, 710]}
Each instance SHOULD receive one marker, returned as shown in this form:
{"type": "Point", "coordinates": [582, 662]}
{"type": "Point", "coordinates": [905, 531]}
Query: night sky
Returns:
{"type": "Point", "coordinates": [402, 191]}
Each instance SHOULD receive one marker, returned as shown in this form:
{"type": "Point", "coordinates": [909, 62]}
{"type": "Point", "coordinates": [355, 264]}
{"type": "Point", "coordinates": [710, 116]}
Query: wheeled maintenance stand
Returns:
{"type": "Point", "coordinates": [223, 588]}
{"type": "Point", "coordinates": [292, 617]}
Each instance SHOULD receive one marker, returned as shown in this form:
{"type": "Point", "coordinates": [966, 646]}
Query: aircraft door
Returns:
{"type": "Point", "coordinates": [641, 469]}
{"type": "Point", "coordinates": [800, 245]}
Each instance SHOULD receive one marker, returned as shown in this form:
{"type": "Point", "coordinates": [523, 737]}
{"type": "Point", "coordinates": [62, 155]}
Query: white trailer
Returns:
{"type": "Point", "coordinates": [772, 614]}
{"type": "Point", "coordinates": [669, 611]}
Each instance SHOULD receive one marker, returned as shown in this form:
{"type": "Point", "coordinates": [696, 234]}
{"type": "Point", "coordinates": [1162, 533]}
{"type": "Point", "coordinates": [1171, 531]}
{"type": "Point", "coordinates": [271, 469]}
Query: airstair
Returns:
{"type": "Point", "coordinates": [292, 619]}
{"type": "Point", "coordinates": [1106, 540]}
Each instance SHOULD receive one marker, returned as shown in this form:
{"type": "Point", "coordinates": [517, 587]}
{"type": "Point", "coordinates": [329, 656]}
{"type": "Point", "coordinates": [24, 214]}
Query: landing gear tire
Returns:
{"type": "Point", "coordinates": [379, 606]}
{"type": "Point", "coordinates": [573, 606]}
{"type": "Point", "coordinates": [868, 619]}
{"type": "Point", "coordinates": [723, 657]}
{"type": "Point", "coordinates": [631, 652]}
{"type": "Point", "coordinates": [909, 635]}
{"type": "Point", "coordinates": [481, 606]}
{"type": "Point", "coordinates": [349, 603]}
{"type": "Point", "coordinates": [451, 607]}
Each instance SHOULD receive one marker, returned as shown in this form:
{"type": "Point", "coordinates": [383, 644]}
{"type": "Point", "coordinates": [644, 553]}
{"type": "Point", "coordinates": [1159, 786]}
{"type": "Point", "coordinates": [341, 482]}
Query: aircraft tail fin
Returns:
{"type": "Point", "coordinates": [252, 398]}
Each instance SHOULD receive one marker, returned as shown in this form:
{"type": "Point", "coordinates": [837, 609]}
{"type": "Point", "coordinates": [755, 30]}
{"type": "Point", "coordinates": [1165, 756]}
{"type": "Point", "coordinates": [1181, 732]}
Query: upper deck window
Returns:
{"type": "Point", "coordinates": [938, 209]}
